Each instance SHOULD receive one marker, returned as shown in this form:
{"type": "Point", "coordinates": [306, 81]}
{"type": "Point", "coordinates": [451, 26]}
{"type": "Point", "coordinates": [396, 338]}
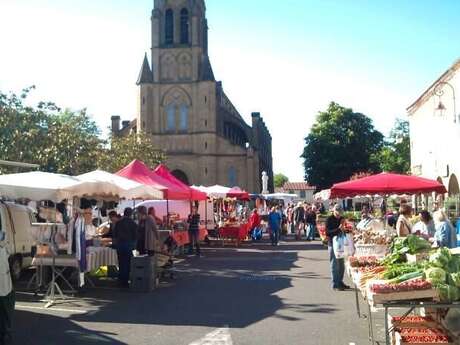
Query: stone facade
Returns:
{"type": "Point", "coordinates": [186, 110]}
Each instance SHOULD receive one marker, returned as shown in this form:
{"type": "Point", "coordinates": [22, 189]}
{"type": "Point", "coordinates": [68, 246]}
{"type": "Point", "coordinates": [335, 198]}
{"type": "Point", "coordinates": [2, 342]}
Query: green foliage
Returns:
{"type": "Point", "coordinates": [340, 144]}
{"type": "Point", "coordinates": [395, 155]}
{"type": "Point", "coordinates": [280, 180]}
{"type": "Point", "coordinates": [123, 150]}
{"type": "Point", "coordinates": [64, 142]}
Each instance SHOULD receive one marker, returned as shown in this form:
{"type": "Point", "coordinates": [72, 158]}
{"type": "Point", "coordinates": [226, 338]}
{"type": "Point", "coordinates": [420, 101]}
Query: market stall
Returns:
{"type": "Point", "coordinates": [393, 273]}
{"type": "Point", "coordinates": [230, 212]}
{"type": "Point", "coordinates": [76, 245]}
{"type": "Point", "coordinates": [174, 219]}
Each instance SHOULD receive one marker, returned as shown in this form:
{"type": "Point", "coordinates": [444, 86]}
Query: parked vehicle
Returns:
{"type": "Point", "coordinates": [17, 221]}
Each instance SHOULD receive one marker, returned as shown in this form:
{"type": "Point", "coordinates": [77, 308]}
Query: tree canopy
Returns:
{"type": "Point", "coordinates": [64, 141]}
{"type": "Point", "coordinates": [341, 143]}
{"type": "Point", "coordinates": [280, 180]}
{"type": "Point", "coordinates": [395, 155]}
{"type": "Point", "coordinates": [122, 150]}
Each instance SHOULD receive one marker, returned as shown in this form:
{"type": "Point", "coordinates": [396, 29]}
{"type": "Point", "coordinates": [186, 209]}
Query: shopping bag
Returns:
{"type": "Point", "coordinates": [349, 245]}
{"type": "Point", "coordinates": [338, 245]}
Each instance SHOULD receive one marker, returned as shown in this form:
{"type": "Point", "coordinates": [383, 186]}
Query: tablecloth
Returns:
{"type": "Point", "coordinates": [95, 258]}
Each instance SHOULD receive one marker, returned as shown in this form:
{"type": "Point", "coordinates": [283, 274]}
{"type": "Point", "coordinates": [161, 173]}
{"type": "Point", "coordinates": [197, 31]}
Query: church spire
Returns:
{"type": "Point", "coordinates": [146, 74]}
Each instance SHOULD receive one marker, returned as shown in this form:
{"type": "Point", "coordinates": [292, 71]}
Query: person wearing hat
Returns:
{"type": "Point", "coordinates": [335, 226]}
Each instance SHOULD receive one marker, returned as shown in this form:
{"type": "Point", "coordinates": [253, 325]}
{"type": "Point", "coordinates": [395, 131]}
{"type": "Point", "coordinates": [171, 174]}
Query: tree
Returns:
{"type": "Point", "coordinates": [341, 143]}
{"type": "Point", "coordinates": [395, 155]}
{"type": "Point", "coordinates": [59, 141]}
{"type": "Point", "coordinates": [280, 180]}
{"type": "Point", "coordinates": [122, 150]}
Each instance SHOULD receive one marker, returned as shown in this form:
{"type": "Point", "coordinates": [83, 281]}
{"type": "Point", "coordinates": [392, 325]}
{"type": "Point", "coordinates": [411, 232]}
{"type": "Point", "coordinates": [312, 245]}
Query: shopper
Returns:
{"type": "Point", "coordinates": [114, 217]}
{"type": "Point", "coordinates": [152, 213]}
{"type": "Point", "coordinates": [124, 239]}
{"type": "Point", "coordinates": [274, 221]}
{"type": "Point", "coordinates": [425, 227]}
{"type": "Point", "coordinates": [290, 218]}
{"type": "Point", "coordinates": [310, 220]}
{"type": "Point", "coordinates": [148, 227]}
{"type": "Point", "coordinates": [335, 226]}
{"type": "Point", "coordinates": [445, 235]}
{"type": "Point", "coordinates": [404, 226]}
{"type": "Point", "coordinates": [194, 231]}
{"type": "Point", "coordinates": [6, 293]}
{"type": "Point", "coordinates": [254, 226]}
{"type": "Point", "coordinates": [299, 220]}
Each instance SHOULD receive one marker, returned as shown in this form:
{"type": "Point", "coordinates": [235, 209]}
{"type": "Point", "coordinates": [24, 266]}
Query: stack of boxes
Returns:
{"type": "Point", "coordinates": [143, 274]}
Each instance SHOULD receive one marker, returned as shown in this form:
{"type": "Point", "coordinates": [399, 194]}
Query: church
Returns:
{"type": "Point", "coordinates": [186, 111]}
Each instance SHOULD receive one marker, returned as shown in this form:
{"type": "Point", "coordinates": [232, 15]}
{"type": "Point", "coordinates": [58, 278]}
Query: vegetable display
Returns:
{"type": "Point", "coordinates": [405, 245]}
{"type": "Point", "coordinates": [411, 285]}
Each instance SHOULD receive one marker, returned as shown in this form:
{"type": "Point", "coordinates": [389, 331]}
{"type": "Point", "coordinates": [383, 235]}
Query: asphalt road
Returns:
{"type": "Point", "coordinates": [253, 295]}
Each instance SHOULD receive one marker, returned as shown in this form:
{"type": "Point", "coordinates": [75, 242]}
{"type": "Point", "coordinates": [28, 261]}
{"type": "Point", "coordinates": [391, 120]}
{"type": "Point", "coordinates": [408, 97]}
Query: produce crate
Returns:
{"type": "Point", "coordinates": [370, 250]}
{"type": "Point", "coordinates": [380, 298]}
{"type": "Point", "coordinates": [399, 341]}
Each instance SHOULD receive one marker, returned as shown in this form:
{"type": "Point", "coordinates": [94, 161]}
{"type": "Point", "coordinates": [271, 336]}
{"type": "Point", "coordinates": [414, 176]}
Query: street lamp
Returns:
{"type": "Point", "coordinates": [439, 91]}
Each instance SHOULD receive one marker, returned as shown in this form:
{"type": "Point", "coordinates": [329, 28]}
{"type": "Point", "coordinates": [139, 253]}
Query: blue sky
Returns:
{"type": "Point", "coordinates": [287, 59]}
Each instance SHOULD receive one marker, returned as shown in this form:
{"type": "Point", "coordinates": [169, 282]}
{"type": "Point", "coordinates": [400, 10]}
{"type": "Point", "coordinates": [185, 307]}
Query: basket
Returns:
{"type": "Point", "coordinates": [370, 250]}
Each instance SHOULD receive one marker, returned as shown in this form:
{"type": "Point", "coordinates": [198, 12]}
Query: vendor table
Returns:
{"type": "Point", "coordinates": [181, 236]}
{"type": "Point", "coordinates": [234, 233]}
{"type": "Point", "coordinates": [95, 258]}
{"type": "Point", "coordinates": [411, 306]}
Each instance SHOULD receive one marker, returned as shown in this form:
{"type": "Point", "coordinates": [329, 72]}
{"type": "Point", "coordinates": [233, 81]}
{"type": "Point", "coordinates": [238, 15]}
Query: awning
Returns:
{"type": "Point", "coordinates": [111, 185]}
{"type": "Point", "coordinates": [387, 184]}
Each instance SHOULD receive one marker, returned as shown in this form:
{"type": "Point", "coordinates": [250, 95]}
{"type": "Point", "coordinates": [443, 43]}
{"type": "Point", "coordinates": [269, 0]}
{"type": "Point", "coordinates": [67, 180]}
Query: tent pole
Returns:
{"type": "Point", "coordinates": [167, 215]}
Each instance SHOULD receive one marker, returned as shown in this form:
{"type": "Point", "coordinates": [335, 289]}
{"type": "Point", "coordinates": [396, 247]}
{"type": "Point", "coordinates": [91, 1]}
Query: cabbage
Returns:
{"type": "Point", "coordinates": [455, 279]}
{"type": "Point", "coordinates": [448, 293]}
{"type": "Point", "coordinates": [436, 276]}
{"type": "Point", "coordinates": [454, 264]}
{"type": "Point", "coordinates": [441, 258]}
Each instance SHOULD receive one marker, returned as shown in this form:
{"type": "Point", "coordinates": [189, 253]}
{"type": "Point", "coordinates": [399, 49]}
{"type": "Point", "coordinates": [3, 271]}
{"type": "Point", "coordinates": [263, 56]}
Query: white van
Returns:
{"type": "Point", "coordinates": [16, 220]}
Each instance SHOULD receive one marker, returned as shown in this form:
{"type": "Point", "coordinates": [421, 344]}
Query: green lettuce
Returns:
{"type": "Point", "coordinates": [441, 258]}
{"type": "Point", "coordinates": [455, 279]}
{"type": "Point", "coordinates": [436, 276]}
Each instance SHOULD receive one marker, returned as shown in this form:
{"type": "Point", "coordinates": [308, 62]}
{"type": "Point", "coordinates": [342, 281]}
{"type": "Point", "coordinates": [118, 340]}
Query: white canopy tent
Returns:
{"type": "Point", "coordinates": [281, 196]}
{"type": "Point", "coordinates": [39, 185]}
{"type": "Point", "coordinates": [215, 192]}
{"type": "Point", "coordinates": [109, 185]}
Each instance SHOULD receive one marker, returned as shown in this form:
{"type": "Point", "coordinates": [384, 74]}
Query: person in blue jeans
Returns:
{"type": "Point", "coordinates": [274, 221]}
{"type": "Point", "coordinates": [335, 227]}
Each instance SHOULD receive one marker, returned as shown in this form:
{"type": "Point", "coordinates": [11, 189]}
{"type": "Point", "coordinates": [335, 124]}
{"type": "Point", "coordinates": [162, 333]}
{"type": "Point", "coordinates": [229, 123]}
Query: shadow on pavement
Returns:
{"type": "Point", "coordinates": [34, 329]}
{"type": "Point", "coordinates": [228, 287]}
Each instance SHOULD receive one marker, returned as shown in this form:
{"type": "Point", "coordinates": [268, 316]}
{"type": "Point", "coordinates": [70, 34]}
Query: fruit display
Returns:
{"type": "Point", "coordinates": [410, 285]}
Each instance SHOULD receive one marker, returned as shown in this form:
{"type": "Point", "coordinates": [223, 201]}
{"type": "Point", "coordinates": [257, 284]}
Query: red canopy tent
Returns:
{"type": "Point", "coordinates": [386, 184]}
{"type": "Point", "coordinates": [238, 193]}
{"type": "Point", "coordinates": [164, 174]}
{"type": "Point", "coordinates": [139, 172]}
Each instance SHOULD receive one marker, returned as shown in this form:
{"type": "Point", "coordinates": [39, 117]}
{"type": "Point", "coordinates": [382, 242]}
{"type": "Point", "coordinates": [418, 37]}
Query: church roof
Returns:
{"type": "Point", "coordinates": [146, 74]}
{"type": "Point", "coordinates": [207, 73]}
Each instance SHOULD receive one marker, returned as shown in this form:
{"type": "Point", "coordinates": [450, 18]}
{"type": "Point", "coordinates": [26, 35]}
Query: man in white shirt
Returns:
{"type": "Point", "coordinates": [6, 292]}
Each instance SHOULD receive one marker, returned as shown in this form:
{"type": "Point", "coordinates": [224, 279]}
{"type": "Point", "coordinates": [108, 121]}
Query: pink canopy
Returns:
{"type": "Point", "coordinates": [163, 172]}
{"type": "Point", "coordinates": [173, 189]}
{"type": "Point", "coordinates": [386, 184]}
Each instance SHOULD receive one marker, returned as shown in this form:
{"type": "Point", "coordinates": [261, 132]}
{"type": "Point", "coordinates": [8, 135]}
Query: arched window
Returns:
{"type": "Point", "coordinates": [184, 26]}
{"type": "Point", "coordinates": [169, 26]}
{"type": "Point", "coordinates": [171, 118]}
{"type": "Point", "coordinates": [183, 123]}
{"type": "Point", "coordinates": [232, 177]}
